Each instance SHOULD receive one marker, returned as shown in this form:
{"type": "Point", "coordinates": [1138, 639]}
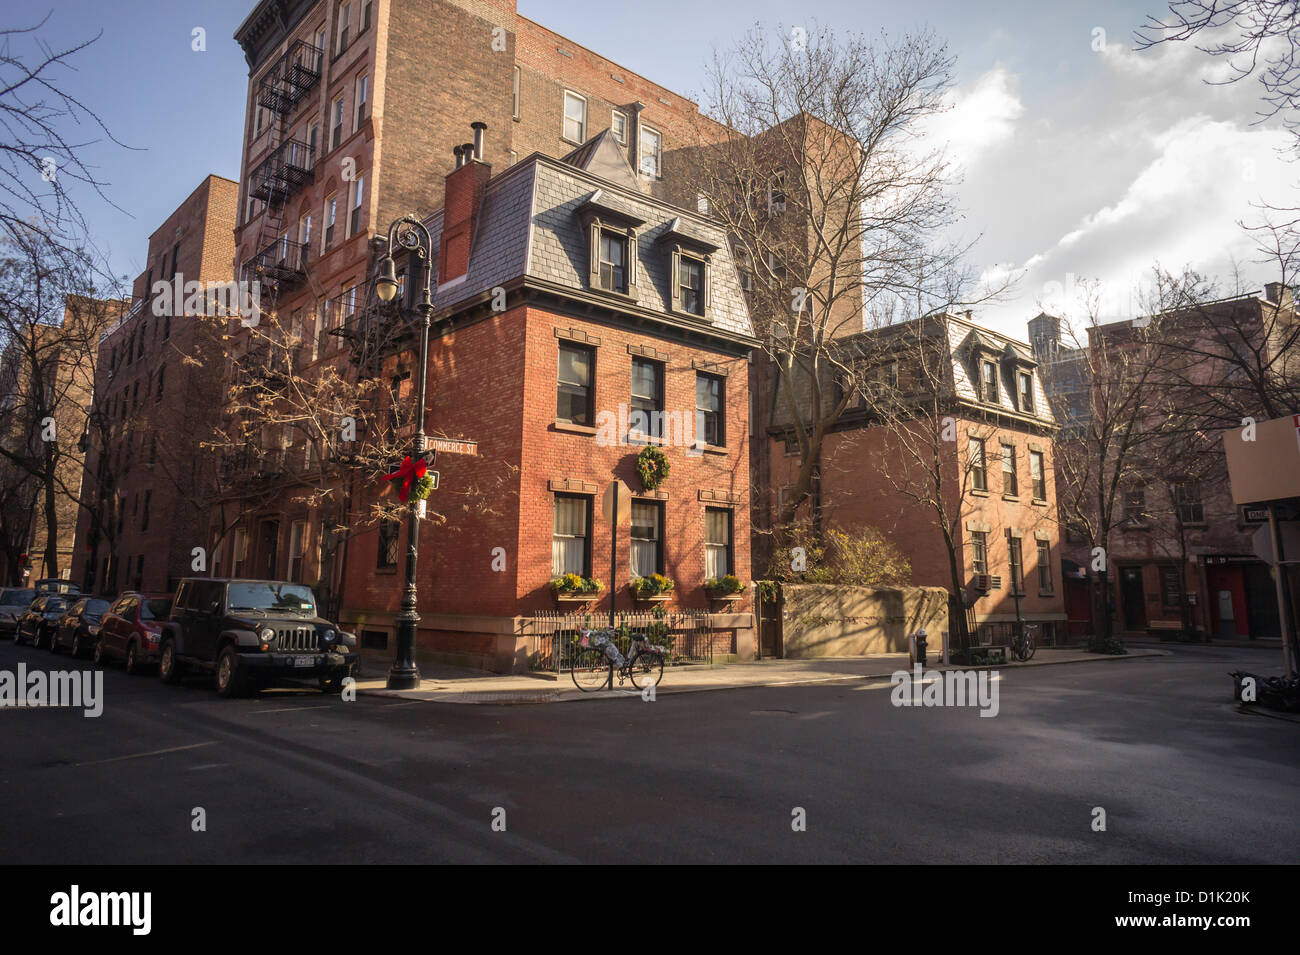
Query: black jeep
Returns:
{"type": "Point", "coordinates": [250, 633]}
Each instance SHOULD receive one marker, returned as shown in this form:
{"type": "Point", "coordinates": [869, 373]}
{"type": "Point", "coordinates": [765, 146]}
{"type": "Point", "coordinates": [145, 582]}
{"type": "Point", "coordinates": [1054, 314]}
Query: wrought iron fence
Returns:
{"type": "Point", "coordinates": [687, 634]}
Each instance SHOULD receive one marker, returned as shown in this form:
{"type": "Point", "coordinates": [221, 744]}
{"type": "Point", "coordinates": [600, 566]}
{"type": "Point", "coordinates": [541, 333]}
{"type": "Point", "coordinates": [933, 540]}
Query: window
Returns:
{"type": "Point", "coordinates": [776, 193]}
{"type": "Point", "coordinates": [570, 545]}
{"type": "Point", "coordinates": [239, 551]}
{"type": "Point", "coordinates": [331, 210]}
{"type": "Point", "coordinates": [395, 388]}
{"type": "Point", "coordinates": [645, 412]}
{"type": "Point", "coordinates": [978, 472]}
{"type": "Point", "coordinates": [144, 517]}
{"type": "Point", "coordinates": [313, 138]}
{"type": "Point", "coordinates": [708, 410]}
{"type": "Point", "coordinates": [573, 387]}
{"type": "Point", "coordinates": [1010, 487]}
{"type": "Point", "coordinates": [345, 11]}
{"type": "Point", "coordinates": [320, 41]}
{"type": "Point", "coordinates": [745, 267]}
{"type": "Point", "coordinates": [651, 152]}
{"type": "Point", "coordinates": [1135, 506]}
{"type": "Point", "coordinates": [363, 87]}
{"type": "Point", "coordinates": [1026, 393]}
{"type": "Point", "coordinates": [1044, 567]}
{"type": "Point", "coordinates": [515, 98]}
{"type": "Point", "coordinates": [304, 229]}
{"type": "Point", "coordinates": [1036, 477]}
{"type": "Point", "coordinates": [1171, 587]}
{"type": "Point", "coordinates": [618, 125]}
{"type": "Point", "coordinates": [702, 205]}
{"type": "Point", "coordinates": [1187, 501]}
{"type": "Point", "coordinates": [366, 8]}
{"type": "Point", "coordinates": [336, 127]}
{"type": "Point", "coordinates": [690, 282]}
{"type": "Point", "coordinates": [162, 374]}
{"type": "Point", "coordinates": [613, 262]}
{"type": "Point", "coordinates": [979, 552]}
{"type": "Point", "coordinates": [575, 117]}
{"type": "Point", "coordinates": [349, 300]}
{"type": "Point", "coordinates": [297, 548]}
{"type": "Point", "coordinates": [647, 538]}
{"type": "Point", "coordinates": [717, 542]}
{"type": "Point", "coordinates": [176, 259]}
{"type": "Point", "coordinates": [991, 382]}
{"type": "Point", "coordinates": [358, 194]}
{"type": "Point", "coordinates": [326, 325]}
{"type": "Point", "coordinates": [1017, 565]}
{"type": "Point", "coordinates": [257, 127]}
{"type": "Point", "coordinates": [386, 556]}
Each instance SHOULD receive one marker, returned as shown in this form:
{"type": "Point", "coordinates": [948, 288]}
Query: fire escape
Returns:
{"type": "Point", "coordinates": [280, 260]}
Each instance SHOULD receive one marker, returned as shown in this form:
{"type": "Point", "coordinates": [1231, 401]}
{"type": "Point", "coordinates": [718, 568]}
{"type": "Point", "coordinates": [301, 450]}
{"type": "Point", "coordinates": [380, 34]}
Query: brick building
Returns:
{"type": "Point", "coordinates": [156, 398]}
{"type": "Point", "coordinates": [1181, 552]}
{"type": "Point", "coordinates": [996, 466]}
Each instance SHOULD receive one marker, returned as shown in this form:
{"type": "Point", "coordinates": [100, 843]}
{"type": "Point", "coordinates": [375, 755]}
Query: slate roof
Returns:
{"type": "Point", "coordinates": [529, 227]}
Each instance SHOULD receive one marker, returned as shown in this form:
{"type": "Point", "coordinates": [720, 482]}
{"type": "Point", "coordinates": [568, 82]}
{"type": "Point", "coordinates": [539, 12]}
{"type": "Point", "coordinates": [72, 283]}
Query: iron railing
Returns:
{"type": "Point", "coordinates": [283, 86]}
{"type": "Point", "coordinates": [283, 172]}
{"type": "Point", "coordinates": [688, 635]}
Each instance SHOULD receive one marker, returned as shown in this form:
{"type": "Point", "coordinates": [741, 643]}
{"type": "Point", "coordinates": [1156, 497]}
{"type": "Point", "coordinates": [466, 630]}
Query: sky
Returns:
{"type": "Point", "coordinates": [1080, 159]}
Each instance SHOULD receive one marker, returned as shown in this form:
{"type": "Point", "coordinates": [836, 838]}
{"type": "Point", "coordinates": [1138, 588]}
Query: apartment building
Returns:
{"type": "Point", "coordinates": [991, 430]}
{"type": "Point", "coordinates": [1181, 553]}
{"type": "Point", "coordinates": [157, 396]}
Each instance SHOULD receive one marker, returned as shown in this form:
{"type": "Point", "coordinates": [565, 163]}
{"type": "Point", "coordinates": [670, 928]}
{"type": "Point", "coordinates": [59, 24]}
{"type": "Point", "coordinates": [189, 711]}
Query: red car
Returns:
{"type": "Point", "coordinates": [130, 629]}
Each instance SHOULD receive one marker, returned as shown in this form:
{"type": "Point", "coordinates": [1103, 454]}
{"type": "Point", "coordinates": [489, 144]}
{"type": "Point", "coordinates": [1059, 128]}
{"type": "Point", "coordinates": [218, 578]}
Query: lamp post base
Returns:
{"type": "Point", "coordinates": [404, 678]}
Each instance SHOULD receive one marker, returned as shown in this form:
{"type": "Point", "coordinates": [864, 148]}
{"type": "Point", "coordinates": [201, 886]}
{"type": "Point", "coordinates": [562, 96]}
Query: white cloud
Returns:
{"type": "Point", "coordinates": [978, 118]}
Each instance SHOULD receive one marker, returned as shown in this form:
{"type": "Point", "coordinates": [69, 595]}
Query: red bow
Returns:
{"type": "Point", "coordinates": [409, 471]}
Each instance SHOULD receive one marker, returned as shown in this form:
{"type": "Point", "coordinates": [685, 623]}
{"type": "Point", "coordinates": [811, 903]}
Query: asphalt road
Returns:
{"type": "Point", "coordinates": [294, 776]}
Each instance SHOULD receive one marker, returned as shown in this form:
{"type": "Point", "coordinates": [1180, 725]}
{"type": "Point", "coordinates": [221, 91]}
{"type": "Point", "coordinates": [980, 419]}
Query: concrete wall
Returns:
{"type": "Point", "coordinates": [829, 620]}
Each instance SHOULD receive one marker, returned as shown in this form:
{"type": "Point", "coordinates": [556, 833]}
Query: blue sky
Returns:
{"type": "Point", "coordinates": [1077, 162]}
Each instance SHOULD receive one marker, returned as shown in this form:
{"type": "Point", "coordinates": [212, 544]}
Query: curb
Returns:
{"type": "Point", "coordinates": [524, 697]}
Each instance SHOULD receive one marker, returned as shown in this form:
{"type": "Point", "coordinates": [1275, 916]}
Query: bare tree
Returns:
{"type": "Point", "coordinates": [812, 161]}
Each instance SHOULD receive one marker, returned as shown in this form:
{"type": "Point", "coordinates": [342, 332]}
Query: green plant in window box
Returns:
{"type": "Point", "coordinates": [652, 466]}
{"type": "Point", "coordinates": [652, 586]}
{"type": "Point", "coordinates": [726, 586]}
{"type": "Point", "coordinates": [575, 585]}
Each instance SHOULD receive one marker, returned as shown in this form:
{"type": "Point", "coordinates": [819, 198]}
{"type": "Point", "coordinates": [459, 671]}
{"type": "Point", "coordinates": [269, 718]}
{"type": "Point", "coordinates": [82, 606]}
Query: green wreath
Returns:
{"type": "Point", "coordinates": [652, 466]}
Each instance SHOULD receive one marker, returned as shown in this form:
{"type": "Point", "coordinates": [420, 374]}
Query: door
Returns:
{"type": "Point", "coordinates": [1227, 626]}
{"type": "Point", "coordinates": [1133, 598]}
{"type": "Point", "coordinates": [270, 545]}
{"type": "Point", "coordinates": [769, 627]}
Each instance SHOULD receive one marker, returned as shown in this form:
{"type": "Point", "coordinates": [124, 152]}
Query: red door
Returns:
{"type": "Point", "coordinates": [1226, 601]}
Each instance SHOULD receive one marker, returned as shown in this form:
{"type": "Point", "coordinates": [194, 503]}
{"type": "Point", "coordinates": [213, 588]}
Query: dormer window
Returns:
{"type": "Point", "coordinates": [989, 378]}
{"type": "Point", "coordinates": [1026, 393]}
{"type": "Point", "coordinates": [690, 280]}
{"type": "Point", "coordinates": [613, 261]}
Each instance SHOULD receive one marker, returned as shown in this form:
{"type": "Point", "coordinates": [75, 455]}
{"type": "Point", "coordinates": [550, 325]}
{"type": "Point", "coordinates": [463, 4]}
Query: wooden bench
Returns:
{"type": "Point", "coordinates": [1165, 629]}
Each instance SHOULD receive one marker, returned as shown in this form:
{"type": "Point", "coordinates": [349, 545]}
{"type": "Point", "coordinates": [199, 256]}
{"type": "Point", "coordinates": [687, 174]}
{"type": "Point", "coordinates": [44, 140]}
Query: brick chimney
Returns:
{"type": "Point", "coordinates": [461, 205]}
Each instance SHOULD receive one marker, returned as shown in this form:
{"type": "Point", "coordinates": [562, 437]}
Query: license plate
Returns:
{"type": "Point", "coordinates": [304, 661]}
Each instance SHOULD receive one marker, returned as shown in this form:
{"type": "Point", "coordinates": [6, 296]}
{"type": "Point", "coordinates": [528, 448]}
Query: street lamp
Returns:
{"type": "Point", "coordinates": [410, 234]}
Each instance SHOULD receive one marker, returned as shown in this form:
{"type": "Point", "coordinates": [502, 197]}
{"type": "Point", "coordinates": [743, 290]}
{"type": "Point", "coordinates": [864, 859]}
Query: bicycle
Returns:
{"type": "Point", "coordinates": [1023, 647]}
{"type": "Point", "coordinates": [596, 658]}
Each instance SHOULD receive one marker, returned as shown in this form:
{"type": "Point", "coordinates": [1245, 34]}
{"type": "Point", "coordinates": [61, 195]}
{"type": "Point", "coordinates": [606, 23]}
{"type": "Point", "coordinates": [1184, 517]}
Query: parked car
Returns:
{"type": "Point", "coordinates": [78, 628]}
{"type": "Point", "coordinates": [131, 628]}
{"type": "Point", "coordinates": [251, 633]}
{"type": "Point", "coordinates": [37, 622]}
{"type": "Point", "coordinates": [13, 601]}
{"type": "Point", "coordinates": [56, 585]}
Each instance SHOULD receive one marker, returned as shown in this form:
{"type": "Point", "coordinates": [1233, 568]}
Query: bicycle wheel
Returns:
{"type": "Point", "coordinates": [591, 669]}
{"type": "Point", "coordinates": [646, 669]}
{"type": "Point", "coordinates": [1030, 646]}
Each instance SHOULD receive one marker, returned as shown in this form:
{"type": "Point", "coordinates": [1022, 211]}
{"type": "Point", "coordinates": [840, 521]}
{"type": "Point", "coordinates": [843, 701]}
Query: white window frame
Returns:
{"type": "Point", "coordinates": [361, 98]}
{"type": "Point", "coordinates": [358, 197]}
{"type": "Point", "coordinates": [614, 116]}
{"type": "Point", "coordinates": [342, 21]}
{"type": "Point", "coordinates": [656, 154]}
{"type": "Point", "coordinates": [328, 219]}
{"type": "Point", "coordinates": [564, 123]}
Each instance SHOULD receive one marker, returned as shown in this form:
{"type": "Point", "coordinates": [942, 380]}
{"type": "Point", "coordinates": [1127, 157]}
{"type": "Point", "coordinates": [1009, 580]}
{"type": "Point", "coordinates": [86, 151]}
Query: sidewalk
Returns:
{"type": "Point", "coordinates": [447, 684]}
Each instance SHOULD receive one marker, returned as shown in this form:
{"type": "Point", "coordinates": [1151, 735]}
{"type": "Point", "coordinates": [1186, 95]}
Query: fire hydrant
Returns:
{"type": "Point", "coordinates": [918, 639]}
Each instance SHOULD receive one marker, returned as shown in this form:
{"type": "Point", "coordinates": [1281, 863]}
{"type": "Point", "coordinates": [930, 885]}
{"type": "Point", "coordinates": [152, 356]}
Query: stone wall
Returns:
{"type": "Point", "coordinates": [830, 620]}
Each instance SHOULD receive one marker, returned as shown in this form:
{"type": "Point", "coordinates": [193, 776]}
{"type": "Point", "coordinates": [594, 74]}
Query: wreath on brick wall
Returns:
{"type": "Point", "coordinates": [652, 467]}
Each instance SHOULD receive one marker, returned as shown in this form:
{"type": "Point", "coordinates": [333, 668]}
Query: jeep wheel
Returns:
{"type": "Point", "coordinates": [332, 682]}
{"type": "Point", "coordinates": [231, 679]}
{"type": "Point", "coordinates": [169, 668]}
{"type": "Point", "coordinates": [133, 667]}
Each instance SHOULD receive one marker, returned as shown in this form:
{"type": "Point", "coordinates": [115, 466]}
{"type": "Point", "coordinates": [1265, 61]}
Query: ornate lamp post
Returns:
{"type": "Point", "coordinates": [410, 234]}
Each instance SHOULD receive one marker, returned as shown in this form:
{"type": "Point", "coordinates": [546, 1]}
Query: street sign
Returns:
{"type": "Point", "coordinates": [452, 445]}
{"type": "Point", "coordinates": [434, 475]}
{"type": "Point", "coordinates": [616, 491]}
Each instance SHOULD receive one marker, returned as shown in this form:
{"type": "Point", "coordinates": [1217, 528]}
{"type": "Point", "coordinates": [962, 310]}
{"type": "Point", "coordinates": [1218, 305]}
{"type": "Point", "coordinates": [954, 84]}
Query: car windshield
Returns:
{"type": "Point", "coordinates": [273, 597]}
{"type": "Point", "coordinates": [56, 603]}
{"type": "Point", "coordinates": [155, 608]}
{"type": "Point", "coordinates": [95, 607]}
{"type": "Point", "coordinates": [17, 598]}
